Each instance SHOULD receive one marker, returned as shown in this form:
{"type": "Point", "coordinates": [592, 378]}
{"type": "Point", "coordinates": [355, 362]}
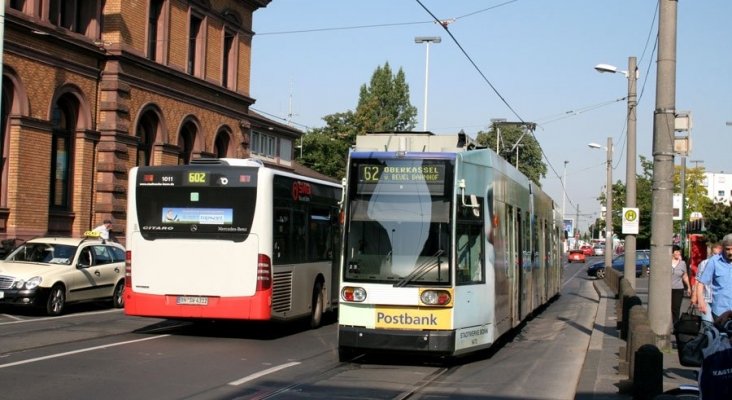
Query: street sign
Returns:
{"type": "Point", "coordinates": [631, 217]}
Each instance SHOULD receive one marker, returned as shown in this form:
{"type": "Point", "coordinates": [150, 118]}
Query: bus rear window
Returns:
{"type": "Point", "coordinates": [212, 207]}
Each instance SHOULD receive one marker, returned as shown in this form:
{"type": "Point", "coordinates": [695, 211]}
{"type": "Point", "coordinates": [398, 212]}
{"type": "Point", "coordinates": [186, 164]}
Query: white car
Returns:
{"type": "Point", "coordinates": [50, 272]}
{"type": "Point", "coordinates": [598, 250]}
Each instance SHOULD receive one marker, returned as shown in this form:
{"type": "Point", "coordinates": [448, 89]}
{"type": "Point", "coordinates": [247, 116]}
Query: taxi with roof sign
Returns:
{"type": "Point", "coordinates": [50, 272]}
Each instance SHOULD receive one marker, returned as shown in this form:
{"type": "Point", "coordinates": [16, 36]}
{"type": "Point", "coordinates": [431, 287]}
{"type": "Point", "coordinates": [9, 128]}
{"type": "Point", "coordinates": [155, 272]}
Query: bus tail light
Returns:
{"type": "Point", "coordinates": [264, 273]}
{"type": "Point", "coordinates": [435, 297]}
{"type": "Point", "coordinates": [355, 294]}
{"type": "Point", "coordinates": [128, 269]}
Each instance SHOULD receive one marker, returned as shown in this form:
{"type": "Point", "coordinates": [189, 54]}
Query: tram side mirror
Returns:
{"type": "Point", "coordinates": [474, 205]}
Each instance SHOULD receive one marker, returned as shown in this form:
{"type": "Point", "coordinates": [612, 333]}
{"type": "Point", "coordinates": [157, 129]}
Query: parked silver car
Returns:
{"type": "Point", "coordinates": [50, 272]}
{"type": "Point", "coordinates": [598, 250]}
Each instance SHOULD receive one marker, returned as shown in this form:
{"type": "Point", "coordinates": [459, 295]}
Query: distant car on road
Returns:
{"type": "Point", "coordinates": [587, 249]}
{"type": "Point", "coordinates": [576, 255]}
{"type": "Point", "coordinates": [50, 272]}
{"type": "Point", "coordinates": [642, 263]}
{"type": "Point", "coordinates": [598, 250]}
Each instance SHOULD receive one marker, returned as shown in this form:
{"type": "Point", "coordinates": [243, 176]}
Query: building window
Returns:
{"type": "Point", "coordinates": [186, 139]}
{"type": "Point", "coordinates": [156, 30]}
{"type": "Point", "coordinates": [229, 66]}
{"type": "Point", "coordinates": [7, 105]}
{"type": "Point", "coordinates": [264, 145]}
{"type": "Point", "coordinates": [221, 144]}
{"type": "Point", "coordinates": [195, 45]}
{"type": "Point", "coordinates": [285, 150]}
{"type": "Point", "coordinates": [63, 119]}
{"type": "Point", "coordinates": [18, 5]}
{"type": "Point", "coordinates": [720, 193]}
{"type": "Point", "coordinates": [75, 15]}
{"type": "Point", "coordinates": [147, 130]}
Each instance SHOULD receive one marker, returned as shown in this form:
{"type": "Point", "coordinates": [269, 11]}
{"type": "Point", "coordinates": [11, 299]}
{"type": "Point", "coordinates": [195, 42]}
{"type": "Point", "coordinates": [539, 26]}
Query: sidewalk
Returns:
{"type": "Point", "coordinates": [599, 378]}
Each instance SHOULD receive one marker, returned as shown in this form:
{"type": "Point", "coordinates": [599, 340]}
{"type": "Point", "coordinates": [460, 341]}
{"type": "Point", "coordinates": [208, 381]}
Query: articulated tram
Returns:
{"type": "Point", "coordinates": [446, 246]}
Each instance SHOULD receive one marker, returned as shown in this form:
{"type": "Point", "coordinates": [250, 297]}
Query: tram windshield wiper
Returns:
{"type": "Point", "coordinates": [423, 268]}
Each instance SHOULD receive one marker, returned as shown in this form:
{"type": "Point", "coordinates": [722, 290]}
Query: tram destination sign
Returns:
{"type": "Point", "coordinates": [375, 173]}
{"type": "Point", "coordinates": [173, 176]}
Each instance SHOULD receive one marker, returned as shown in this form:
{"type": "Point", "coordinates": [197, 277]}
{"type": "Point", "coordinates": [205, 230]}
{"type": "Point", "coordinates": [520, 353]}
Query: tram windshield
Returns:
{"type": "Point", "coordinates": [398, 228]}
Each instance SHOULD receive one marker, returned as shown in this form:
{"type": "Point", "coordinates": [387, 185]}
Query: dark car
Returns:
{"type": "Point", "coordinates": [642, 263]}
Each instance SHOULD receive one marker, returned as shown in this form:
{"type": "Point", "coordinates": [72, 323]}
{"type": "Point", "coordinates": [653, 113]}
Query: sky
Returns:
{"type": "Point", "coordinates": [530, 60]}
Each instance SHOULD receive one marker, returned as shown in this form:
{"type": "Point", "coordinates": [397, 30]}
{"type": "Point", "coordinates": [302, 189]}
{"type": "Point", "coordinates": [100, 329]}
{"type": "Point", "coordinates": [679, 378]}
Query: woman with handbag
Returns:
{"type": "Point", "coordinates": [679, 283]}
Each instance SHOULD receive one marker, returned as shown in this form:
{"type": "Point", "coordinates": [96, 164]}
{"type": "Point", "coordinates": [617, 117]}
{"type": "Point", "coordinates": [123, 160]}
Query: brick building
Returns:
{"type": "Point", "coordinates": [93, 88]}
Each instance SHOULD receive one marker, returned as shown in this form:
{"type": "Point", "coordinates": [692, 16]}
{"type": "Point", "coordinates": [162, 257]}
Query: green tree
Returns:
{"type": "Point", "coordinates": [695, 192]}
{"type": "Point", "coordinates": [643, 201]}
{"type": "Point", "coordinates": [325, 149]}
{"type": "Point", "coordinates": [717, 221]}
{"type": "Point", "coordinates": [383, 106]}
{"type": "Point", "coordinates": [530, 161]}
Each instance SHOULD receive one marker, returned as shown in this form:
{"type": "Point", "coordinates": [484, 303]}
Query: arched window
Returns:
{"type": "Point", "coordinates": [7, 105]}
{"type": "Point", "coordinates": [147, 129]}
{"type": "Point", "coordinates": [63, 122]}
{"type": "Point", "coordinates": [186, 140]}
{"type": "Point", "coordinates": [221, 144]}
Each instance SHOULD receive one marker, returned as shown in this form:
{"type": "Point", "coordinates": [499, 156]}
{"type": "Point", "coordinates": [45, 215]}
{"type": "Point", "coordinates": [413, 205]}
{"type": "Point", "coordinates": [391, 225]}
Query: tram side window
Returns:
{"type": "Point", "coordinates": [469, 247]}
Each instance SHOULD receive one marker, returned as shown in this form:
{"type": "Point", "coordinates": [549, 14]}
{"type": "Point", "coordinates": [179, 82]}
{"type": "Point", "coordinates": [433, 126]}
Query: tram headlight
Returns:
{"type": "Point", "coordinates": [435, 297]}
{"type": "Point", "coordinates": [355, 294]}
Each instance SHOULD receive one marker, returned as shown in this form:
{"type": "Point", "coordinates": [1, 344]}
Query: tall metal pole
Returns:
{"type": "Point", "coordinates": [630, 176]}
{"type": "Point", "coordinates": [609, 207]}
{"type": "Point", "coordinates": [426, 84]}
{"type": "Point", "coordinates": [683, 204]}
{"type": "Point", "coordinates": [427, 40]}
{"type": "Point", "coordinates": [659, 291]}
{"type": "Point", "coordinates": [564, 188]}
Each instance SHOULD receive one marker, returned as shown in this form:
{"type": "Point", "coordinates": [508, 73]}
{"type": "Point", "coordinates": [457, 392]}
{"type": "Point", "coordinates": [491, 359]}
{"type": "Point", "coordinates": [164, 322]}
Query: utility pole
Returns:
{"type": "Point", "coordinates": [609, 208]}
{"type": "Point", "coordinates": [630, 177]}
{"type": "Point", "coordinates": [576, 224]}
{"type": "Point", "coordinates": [659, 291]}
{"type": "Point", "coordinates": [564, 188]}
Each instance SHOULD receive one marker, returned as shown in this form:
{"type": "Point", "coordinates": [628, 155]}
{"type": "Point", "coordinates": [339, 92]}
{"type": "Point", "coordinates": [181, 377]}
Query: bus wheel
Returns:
{"type": "Point", "coordinates": [316, 313]}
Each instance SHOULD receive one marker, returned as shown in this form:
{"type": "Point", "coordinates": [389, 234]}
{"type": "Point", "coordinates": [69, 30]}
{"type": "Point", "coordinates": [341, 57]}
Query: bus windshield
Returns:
{"type": "Point", "coordinates": [398, 226]}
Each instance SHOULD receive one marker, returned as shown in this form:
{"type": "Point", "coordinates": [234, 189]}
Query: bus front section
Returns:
{"type": "Point", "coordinates": [397, 277]}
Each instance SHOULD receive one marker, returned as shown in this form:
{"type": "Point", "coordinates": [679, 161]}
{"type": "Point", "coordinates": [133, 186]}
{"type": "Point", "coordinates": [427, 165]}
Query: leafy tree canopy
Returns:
{"type": "Point", "coordinates": [383, 106]}
{"type": "Point", "coordinates": [529, 151]}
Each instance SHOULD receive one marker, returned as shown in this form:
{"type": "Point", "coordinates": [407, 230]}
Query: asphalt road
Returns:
{"type": "Point", "coordinates": [94, 352]}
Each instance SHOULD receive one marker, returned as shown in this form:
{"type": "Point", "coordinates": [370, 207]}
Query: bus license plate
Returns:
{"type": "Point", "coordinates": [192, 300]}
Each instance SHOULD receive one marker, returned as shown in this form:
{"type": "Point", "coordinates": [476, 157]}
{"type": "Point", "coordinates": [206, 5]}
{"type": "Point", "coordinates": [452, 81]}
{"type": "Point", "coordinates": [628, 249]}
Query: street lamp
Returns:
{"type": "Point", "coordinates": [630, 177]}
{"type": "Point", "coordinates": [564, 188]}
{"type": "Point", "coordinates": [608, 204]}
{"type": "Point", "coordinates": [427, 40]}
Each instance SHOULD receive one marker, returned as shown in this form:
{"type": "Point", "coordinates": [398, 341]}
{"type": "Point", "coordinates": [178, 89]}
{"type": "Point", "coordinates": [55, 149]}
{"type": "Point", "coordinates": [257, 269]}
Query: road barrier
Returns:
{"type": "Point", "coordinates": [640, 359]}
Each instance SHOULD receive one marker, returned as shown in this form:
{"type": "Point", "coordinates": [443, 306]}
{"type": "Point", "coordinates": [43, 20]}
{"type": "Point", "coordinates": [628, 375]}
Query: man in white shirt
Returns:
{"type": "Point", "coordinates": [104, 229]}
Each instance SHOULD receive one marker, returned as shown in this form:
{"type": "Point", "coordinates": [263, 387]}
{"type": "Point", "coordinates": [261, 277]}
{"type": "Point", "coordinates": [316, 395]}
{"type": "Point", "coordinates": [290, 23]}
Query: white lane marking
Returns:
{"type": "Point", "coordinates": [68, 353]}
{"type": "Point", "coordinates": [11, 317]}
{"type": "Point", "coordinates": [573, 276]}
{"type": "Point", "coordinates": [62, 316]}
{"type": "Point", "coordinates": [262, 373]}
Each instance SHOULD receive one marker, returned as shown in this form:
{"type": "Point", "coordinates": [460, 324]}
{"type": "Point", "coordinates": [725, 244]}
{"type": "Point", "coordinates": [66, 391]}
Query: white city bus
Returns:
{"type": "Point", "coordinates": [446, 247]}
{"type": "Point", "coordinates": [230, 239]}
